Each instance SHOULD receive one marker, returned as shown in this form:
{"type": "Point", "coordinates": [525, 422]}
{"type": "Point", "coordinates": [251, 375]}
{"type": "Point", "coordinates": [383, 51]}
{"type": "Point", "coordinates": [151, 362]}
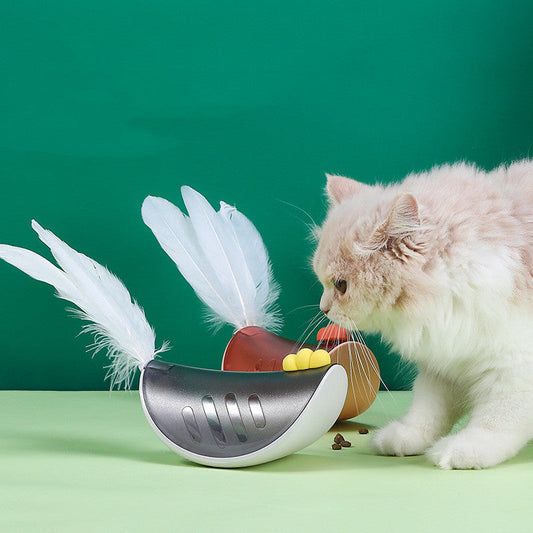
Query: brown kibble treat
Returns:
{"type": "Point", "coordinates": [346, 444]}
{"type": "Point", "coordinates": [338, 438]}
{"type": "Point", "coordinates": [363, 431]}
{"type": "Point", "coordinates": [336, 446]}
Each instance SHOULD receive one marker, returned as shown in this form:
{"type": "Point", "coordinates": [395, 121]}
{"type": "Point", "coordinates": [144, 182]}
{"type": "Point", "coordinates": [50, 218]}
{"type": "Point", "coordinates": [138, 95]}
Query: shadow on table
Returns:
{"type": "Point", "coordinates": [35, 442]}
{"type": "Point", "coordinates": [312, 458]}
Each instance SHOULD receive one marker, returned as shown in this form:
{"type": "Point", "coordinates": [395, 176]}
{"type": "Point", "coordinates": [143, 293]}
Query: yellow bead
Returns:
{"type": "Point", "coordinates": [302, 358]}
{"type": "Point", "coordinates": [319, 358]}
{"type": "Point", "coordinates": [289, 363]}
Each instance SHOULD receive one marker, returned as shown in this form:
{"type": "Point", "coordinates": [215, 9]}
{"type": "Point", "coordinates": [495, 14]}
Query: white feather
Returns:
{"type": "Point", "coordinates": [218, 243]}
{"type": "Point", "coordinates": [254, 254]}
{"type": "Point", "coordinates": [118, 323]}
{"type": "Point", "coordinates": [221, 255]}
{"type": "Point", "coordinates": [175, 235]}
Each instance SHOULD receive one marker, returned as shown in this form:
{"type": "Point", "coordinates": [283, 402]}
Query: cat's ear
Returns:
{"type": "Point", "coordinates": [338, 188]}
{"type": "Point", "coordinates": [402, 222]}
{"type": "Point", "coordinates": [403, 219]}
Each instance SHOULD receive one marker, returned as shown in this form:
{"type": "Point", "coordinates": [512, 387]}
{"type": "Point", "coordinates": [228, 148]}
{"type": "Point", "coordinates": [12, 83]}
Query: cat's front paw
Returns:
{"type": "Point", "coordinates": [398, 438]}
{"type": "Point", "coordinates": [473, 448]}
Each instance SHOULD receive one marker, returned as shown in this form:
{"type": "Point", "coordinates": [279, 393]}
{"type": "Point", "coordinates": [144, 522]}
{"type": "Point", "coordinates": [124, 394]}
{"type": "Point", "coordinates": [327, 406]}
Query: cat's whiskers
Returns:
{"type": "Point", "coordinates": [309, 325]}
{"type": "Point", "coordinates": [352, 376]}
{"type": "Point", "coordinates": [365, 351]}
{"type": "Point", "coordinates": [312, 226]}
{"type": "Point", "coordinates": [302, 307]}
{"type": "Point", "coordinates": [362, 371]}
{"type": "Point", "coordinates": [367, 354]}
{"type": "Point", "coordinates": [360, 358]}
{"type": "Point", "coordinates": [315, 321]}
{"type": "Point", "coordinates": [358, 338]}
{"type": "Point", "coordinates": [314, 283]}
{"type": "Point", "coordinates": [363, 375]}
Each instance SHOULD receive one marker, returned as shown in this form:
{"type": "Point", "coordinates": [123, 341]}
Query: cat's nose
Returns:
{"type": "Point", "coordinates": [325, 309]}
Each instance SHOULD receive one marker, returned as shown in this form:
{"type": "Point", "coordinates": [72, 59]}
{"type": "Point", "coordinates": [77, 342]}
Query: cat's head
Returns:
{"type": "Point", "coordinates": [370, 253]}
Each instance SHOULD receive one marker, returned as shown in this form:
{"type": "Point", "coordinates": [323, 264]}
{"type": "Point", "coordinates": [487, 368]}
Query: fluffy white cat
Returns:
{"type": "Point", "coordinates": [441, 265]}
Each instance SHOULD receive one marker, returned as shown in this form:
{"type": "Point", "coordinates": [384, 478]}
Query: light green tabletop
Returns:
{"type": "Point", "coordinates": [88, 461]}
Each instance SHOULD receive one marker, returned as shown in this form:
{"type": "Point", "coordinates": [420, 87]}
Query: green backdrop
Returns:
{"type": "Point", "coordinates": [105, 102]}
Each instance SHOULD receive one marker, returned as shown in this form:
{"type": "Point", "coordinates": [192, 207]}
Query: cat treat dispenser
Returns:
{"type": "Point", "coordinates": [217, 418]}
{"type": "Point", "coordinates": [235, 419]}
{"type": "Point", "coordinates": [223, 257]}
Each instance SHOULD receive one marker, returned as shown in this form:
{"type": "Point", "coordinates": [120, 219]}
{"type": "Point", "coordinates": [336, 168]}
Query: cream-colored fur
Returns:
{"type": "Point", "coordinates": [441, 265]}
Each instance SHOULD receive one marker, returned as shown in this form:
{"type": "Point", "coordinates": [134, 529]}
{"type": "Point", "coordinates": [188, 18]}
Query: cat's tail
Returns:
{"type": "Point", "coordinates": [222, 256]}
{"type": "Point", "coordinates": [117, 322]}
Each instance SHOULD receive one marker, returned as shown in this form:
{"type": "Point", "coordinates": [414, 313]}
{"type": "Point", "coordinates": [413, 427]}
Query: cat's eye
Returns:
{"type": "Point", "coordinates": [340, 285]}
